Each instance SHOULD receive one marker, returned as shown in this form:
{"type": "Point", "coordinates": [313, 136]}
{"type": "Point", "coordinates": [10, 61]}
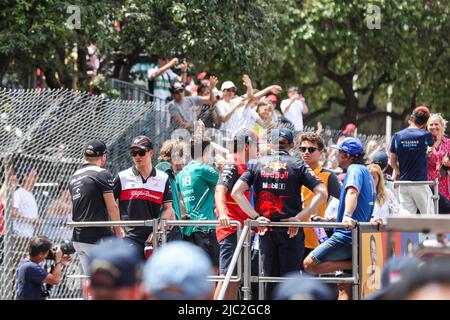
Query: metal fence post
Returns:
{"type": "Point", "coordinates": [155, 223]}
{"type": "Point", "coordinates": [164, 232]}
{"type": "Point", "coordinates": [247, 288]}
{"type": "Point", "coordinates": [355, 260]}
{"type": "Point", "coordinates": [436, 196]}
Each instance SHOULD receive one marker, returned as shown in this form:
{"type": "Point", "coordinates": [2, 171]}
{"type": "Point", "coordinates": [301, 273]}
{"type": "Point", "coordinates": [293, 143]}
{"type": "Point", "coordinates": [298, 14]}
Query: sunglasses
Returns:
{"type": "Point", "coordinates": [141, 153]}
{"type": "Point", "coordinates": [231, 90]}
{"type": "Point", "coordinates": [310, 149]}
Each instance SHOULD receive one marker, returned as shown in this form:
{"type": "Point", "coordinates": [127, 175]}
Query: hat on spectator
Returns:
{"type": "Point", "coordinates": [178, 270]}
{"type": "Point", "coordinates": [352, 146]}
{"type": "Point", "coordinates": [348, 128]}
{"type": "Point", "coordinates": [227, 85]}
{"type": "Point", "coordinates": [142, 142]}
{"type": "Point", "coordinates": [394, 270]}
{"type": "Point", "coordinates": [114, 263]}
{"type": "Point", "coordinates": [273, 98]}
{"type": "Point", "coordinates": [177, 87]}
{"type": "Point", "coordinates": [380, 158]}
{"type": "Point", "coordinates": [201, 75]}
{"type": "Point", "coordinates": [95, 148]}
{"type": "Point", "coordinates": [281, 133]}
{"type": "Point", "coordinates": [302, 288]}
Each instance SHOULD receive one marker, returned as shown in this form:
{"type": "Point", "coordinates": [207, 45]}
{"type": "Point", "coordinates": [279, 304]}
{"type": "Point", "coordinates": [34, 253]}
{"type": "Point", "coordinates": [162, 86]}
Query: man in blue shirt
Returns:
{"type": "Point", "coordinates": [357, 201]}
{"type": "Point", "coordinates": [31, 276]}
{"type": "Point", "coordinates": [409, 149]}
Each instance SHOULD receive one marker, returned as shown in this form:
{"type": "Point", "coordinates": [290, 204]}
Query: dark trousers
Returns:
{"type": "Point", "coordinates": [280, 255]}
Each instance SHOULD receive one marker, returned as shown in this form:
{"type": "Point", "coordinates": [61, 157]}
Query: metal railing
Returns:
{"type": "Point", "coordinates": [354, 279]}
{"type": "Point", "coordinates": [434, 197]}
{"type": "Point", "coordinates": [184, 223]}
{"type": "Point", "coordinates": [244, 242]}
{"type": "Point", "coordinates": [131, 223]}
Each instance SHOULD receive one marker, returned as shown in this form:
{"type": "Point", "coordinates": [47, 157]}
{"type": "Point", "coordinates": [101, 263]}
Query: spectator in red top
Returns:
{"type": "Point", "coordinates": [245, 148]}
{"type": "Point", "coordinates": [438, 161]}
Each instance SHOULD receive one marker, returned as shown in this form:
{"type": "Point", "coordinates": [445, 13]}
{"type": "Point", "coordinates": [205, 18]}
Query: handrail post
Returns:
{"type": "Point", "coordinates": [232, 265]}
{"type": "Point", "coordinates": [355, 260]}
{"type": "Point", "coordinates": [155, 234]}
{"type": "Point", "coordinates": [261, 286]}
{"type": "Point", "coordinates": [436, 196]}
{"type": "Point", "coordinates": [164, 232]}
{"type": "Point", "coordinates": [247, 263]}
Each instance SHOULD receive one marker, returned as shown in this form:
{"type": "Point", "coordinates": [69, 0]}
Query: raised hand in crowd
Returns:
{"type": "Point", "coordinates": [276, 89]}
{"type": "Point", "coordinates": [213, 81]}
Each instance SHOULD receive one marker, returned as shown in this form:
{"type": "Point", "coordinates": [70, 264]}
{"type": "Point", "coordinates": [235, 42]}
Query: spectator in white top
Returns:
{"type": "Point", "coordinates": [182, 109]}
{"type": "Point", "coordinates": [161, 78]}
{"type": "Point", "coordinates": [25, 211]}
{"type": "Point", "coordinates": [294, 107]}
{"type": "Point", "coordinates": [386, 203]}
{"type": "Point", "coordinates": [228, 109]}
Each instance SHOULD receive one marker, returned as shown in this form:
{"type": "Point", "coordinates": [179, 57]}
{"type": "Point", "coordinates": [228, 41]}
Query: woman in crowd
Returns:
{"type": "Point", "coordinates": [438, 161]}
{"type": "Point", "coordinates": [386, 203]}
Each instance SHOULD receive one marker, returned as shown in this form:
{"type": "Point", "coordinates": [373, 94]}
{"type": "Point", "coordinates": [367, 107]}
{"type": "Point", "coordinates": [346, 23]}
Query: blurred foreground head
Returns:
{"type": "Point", "coordinates": [178, 270]}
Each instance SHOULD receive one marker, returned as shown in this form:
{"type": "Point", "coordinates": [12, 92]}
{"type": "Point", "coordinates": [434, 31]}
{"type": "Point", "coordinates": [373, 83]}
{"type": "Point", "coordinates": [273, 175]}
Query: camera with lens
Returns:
{"type": "Point", "coordinates": [66, 248]}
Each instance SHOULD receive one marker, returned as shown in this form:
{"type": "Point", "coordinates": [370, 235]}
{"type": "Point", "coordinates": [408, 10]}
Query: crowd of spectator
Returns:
{"type": "Point", "coordinates": [266, 167]}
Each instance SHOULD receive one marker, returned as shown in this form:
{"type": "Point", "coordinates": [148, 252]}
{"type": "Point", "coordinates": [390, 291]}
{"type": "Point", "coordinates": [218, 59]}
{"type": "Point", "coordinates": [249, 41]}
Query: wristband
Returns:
{"type": "Point", "coordinates": [347, 215]}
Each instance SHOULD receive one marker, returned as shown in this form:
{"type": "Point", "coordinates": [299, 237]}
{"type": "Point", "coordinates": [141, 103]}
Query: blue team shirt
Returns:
{"type": "Point", "coordinates": [410, 146]}
{"type": "Point", "coordinates": [359, 177]}
{"type": "Point", "coordinates": [30, 280]}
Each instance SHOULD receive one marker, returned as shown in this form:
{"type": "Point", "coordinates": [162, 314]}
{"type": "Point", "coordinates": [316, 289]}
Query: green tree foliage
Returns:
{"type": "Point", "coordinates": [325, 47]}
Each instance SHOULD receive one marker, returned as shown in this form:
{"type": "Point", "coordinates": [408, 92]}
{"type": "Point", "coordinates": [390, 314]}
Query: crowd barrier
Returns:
{"type": "Point", "coordinates": [425, 224]}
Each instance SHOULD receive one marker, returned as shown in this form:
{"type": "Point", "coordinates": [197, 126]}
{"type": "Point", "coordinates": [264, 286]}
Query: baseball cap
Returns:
{"type": "Point", "coordinates": [177, 86]}
{"type": "Point", "coordinates": [178, 270]}
{"type": "Point", "coordinates": [349, 127]}
{"type": "Point", "coordinates": [281, 133]}
{"type": "Point", "coordinates": [142, 142]}
{"type": "Point", "coordinates": [380, 158]}
{"type": "Point", "coordinates": [114, 263]}
{"type": "Point", "coordinates": [302, 287]}
{"type": "Point", "coordinates": [95, 148]}
{"type": "Point", "coordinates": [352, 146]}
{"type": "Point", "coordinates": [273, 98]}
{"type": "Point", "coordinates": [227, 85]}
{"type": "Point", "coordinates": [394, 270]}
{"type": "Point", "coordinates": [201, 75]}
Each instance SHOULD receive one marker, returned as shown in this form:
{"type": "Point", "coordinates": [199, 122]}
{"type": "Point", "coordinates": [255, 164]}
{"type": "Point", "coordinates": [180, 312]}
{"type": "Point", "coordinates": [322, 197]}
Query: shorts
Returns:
{"type": "Point", "coordinates": [332, 250]}
{"type": "Point", "coordinates": [227, 247]}
{"type": "Point", "coordinates": [207, 241]}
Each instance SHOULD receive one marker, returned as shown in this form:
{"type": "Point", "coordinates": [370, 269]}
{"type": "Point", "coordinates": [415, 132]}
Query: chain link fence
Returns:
{"type": "Point", "coordinates": [42, 134]}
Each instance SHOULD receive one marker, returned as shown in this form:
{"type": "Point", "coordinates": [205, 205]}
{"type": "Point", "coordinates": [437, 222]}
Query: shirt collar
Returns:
{"type": "Point", "coordinates": [137, 173]}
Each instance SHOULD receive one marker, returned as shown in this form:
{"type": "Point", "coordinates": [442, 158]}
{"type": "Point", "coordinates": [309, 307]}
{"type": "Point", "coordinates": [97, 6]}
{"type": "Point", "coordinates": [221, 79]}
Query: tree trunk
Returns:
{"type": "Point", "coordinates": [5, 61]}
{"type": "Point", "coordinates": [129, 62]}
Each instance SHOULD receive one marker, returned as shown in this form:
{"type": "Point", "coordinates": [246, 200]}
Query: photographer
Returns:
{"type": "Point", "coordinates": [31, 277]}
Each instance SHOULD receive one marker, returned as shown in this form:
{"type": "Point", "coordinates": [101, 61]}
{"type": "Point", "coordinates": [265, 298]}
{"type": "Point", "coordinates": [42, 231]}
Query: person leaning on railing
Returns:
{"type": "Point", "coordinates": [356, 205]}
{"type": "Point", "coordinates": [274, 179]}
{"type": "Point", "coordinates": [409, 149]}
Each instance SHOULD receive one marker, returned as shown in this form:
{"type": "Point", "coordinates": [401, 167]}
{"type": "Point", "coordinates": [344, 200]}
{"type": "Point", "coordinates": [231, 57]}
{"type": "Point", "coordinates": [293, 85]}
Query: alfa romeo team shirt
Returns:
{"type": "Point", "coordinates": [141, 199]}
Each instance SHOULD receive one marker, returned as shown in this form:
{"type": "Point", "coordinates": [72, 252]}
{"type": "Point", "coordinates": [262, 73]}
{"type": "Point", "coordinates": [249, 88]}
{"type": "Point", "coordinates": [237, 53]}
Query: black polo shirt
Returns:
{"type": "Point", "coordinates": [277, 180]}
{"type": "Point", "coordinates": [141, 199]}
{"type": "Point", "coordinates": [87, 186]}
